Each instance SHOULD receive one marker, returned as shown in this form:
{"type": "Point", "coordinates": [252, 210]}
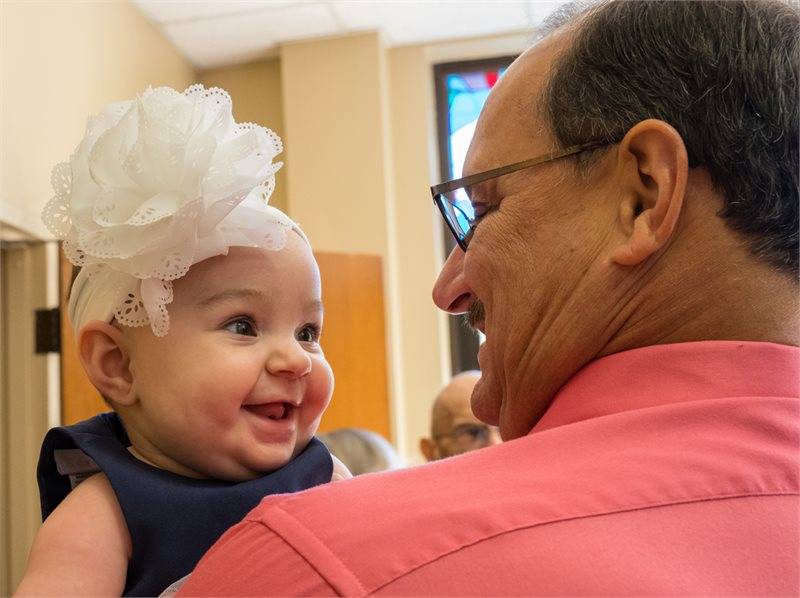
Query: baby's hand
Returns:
{"type": "Point", "coordinates": [340, 471]}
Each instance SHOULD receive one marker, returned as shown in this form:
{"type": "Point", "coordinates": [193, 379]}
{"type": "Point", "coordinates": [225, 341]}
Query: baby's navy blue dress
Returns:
{"type": "Point", "coordinates": [172, 519]}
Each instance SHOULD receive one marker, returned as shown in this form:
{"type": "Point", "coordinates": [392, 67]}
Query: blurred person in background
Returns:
{"type": "Point", "coordinates": [454, 428]}
{"type": "Point", "coordinates": [361, 451]}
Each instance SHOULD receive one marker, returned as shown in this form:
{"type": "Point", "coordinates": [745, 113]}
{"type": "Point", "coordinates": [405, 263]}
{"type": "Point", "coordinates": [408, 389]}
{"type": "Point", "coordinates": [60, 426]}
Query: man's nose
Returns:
{"type": "Point", "coordinates": [451, 292]}
{"type": "Point", "coordinates": [288, 359]}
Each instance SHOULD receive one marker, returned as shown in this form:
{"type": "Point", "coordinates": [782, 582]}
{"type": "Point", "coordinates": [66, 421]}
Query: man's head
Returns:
{"type": "Point", "coordinates": [682, 226]}
{"type": "Point", "coordinates": [454, 429]}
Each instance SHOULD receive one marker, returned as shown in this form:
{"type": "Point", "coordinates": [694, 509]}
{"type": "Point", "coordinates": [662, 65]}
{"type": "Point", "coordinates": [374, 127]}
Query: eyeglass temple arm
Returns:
{"type": "Point", "coordinates": [496, 172]}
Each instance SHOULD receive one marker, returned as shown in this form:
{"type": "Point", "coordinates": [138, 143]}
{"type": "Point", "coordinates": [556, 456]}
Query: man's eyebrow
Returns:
{"type": "Point", "coordinates": [231, 294]}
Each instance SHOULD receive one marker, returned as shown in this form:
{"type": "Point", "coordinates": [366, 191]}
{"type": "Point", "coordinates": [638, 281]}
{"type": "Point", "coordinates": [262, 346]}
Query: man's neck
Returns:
{"type": "Point", "coordinates": [753, 303]}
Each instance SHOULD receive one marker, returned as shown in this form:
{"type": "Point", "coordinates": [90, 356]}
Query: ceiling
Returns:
{"type": "Point", "coordinates": [224, 32]}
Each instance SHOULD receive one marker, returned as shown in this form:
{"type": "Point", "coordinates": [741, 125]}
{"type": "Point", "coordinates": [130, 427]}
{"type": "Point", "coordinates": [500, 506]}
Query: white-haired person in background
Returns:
{"type": "Point", "coordinates": [197, 315]}
{"type": "Point", "coordinates": [361, 451]}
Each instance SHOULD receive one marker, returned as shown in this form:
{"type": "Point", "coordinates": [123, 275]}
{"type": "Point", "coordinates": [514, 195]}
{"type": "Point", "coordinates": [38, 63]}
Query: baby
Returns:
{"type": "Point", "coordinates": [198, 314]}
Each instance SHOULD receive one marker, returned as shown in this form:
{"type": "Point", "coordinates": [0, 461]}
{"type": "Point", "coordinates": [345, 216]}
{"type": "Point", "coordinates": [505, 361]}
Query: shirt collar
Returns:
{"type": "Point", "coordinates": [663, 374]}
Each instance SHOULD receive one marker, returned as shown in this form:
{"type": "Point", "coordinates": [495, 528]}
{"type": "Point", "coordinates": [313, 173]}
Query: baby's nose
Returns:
{"type": "Point", "coordinates": [288, 359]}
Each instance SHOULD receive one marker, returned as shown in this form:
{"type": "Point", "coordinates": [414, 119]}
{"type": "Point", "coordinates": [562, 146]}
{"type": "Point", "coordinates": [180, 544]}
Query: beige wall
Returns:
{"type": "Point", "coordinates": [336, 108]}
{"type": "Point", "coordinates": [425, 341]}
{"type": "Point", "coordinates": [333, 105]}
{"type": "Point", "coordinates": [256, 91]}
{"type": "Point", "coordinates": [62, 61]}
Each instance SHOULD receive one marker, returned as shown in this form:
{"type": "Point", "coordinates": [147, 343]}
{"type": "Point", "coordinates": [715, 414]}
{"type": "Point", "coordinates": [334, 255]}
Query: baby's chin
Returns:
{"type": "Point", "coordinates": [249, 463]}
{"type": "Point", "coordinates": [269, 460]}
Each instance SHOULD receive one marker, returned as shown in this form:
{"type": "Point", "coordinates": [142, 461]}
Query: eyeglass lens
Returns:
{"type": "Point", "coordinates": [458, 211]}
{"type": "Point", "coordinates": [472, 433]}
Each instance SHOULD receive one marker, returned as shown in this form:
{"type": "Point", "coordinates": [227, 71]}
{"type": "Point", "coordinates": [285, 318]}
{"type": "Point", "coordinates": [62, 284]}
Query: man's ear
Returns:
{"type": "Point", "coordinates": [105, 358]}
{"type": "Point", "coordinates": [428, 448]}
{"type": "Point", "coordinates": [653, 167]}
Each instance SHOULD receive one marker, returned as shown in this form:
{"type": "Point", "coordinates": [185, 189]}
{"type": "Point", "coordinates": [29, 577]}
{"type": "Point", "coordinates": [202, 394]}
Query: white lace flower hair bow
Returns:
{"type": "Point", "coordinates": [158, 184]}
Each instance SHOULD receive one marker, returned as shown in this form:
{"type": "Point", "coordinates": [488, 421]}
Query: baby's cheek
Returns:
{"type": "Point", "coordinates": [232, 377]}
{"type": "Point", "coordinates": [318, 393]}
{"type": "Point", "coordinates": [323, 383]}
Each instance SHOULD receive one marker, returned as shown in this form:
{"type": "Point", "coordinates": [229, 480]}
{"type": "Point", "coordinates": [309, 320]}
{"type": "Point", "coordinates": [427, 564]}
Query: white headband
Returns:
{"type": "Point", "coordinates": [158, 184]}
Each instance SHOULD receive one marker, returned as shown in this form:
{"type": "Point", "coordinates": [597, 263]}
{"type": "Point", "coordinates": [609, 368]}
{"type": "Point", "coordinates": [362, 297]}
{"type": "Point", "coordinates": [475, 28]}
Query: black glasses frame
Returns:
{"type": "Point", "coordinates": [479, 433]}
{"type": "Point", "coordinates": [438, 191]}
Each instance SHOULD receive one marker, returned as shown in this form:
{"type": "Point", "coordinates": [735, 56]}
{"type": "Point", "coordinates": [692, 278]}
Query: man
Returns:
{"type": "Point", "coordinates": [639, 298]}
{"type": "Point", "coordinates": [454, 428]}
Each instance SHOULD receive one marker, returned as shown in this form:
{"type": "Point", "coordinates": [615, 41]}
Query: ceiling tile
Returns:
{"type": "Point", "coordinates": [238, 38]}
{"type": "Point", "coordinates": [213, 33]}
{"type": "Point", "coordinates": [177, 11]}
{"type": "Point", "coordinates": [417, 21]}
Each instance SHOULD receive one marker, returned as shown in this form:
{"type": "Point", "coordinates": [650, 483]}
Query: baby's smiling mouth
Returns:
{"type": "Point", "coordinates": [277, 411]}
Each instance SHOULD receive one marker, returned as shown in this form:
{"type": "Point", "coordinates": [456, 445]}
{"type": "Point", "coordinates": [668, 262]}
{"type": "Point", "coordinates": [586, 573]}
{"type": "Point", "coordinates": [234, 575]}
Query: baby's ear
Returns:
{"type": "Point", "coordinates": [103, 353]}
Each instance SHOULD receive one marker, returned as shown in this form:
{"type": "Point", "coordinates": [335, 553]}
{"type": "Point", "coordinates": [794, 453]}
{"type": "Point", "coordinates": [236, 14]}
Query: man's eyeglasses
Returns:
{"type": "Point", "coordinates": [453, 199]}
{"type": "Point", "coordinates": [470, 434]}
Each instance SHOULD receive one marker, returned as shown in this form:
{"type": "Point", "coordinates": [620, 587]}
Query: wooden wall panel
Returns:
{"type": "Point", "coordinates": [354, 340]}
{"type": "Point", "coordinates": [79, 399]}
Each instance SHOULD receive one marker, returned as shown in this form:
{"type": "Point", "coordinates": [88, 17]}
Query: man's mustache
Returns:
{"type": "Point", "coordinates": [475, 314]}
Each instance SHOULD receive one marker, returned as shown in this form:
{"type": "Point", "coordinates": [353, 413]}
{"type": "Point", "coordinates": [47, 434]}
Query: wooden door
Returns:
{"type": "Point", "coordinates": [354, 341]}
{"type": "Point", "coordinates": [79, 399]}
{"type": "Point", "coordinates": [353, 338]}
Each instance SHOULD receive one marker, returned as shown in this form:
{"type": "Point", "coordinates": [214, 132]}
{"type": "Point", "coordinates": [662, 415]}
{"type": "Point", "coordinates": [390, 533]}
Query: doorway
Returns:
{"type": "Point", "coordinates": [26, 381]}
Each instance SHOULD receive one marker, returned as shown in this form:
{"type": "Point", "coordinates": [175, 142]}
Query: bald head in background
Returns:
{"type": "Point", "coordinates": [454, 428]}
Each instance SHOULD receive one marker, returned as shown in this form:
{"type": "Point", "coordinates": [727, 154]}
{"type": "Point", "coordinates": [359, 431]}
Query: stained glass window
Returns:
{"type": "Point", "coordinates": [466, 94]}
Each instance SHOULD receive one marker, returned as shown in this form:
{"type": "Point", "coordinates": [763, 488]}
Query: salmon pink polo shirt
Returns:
{"type": "Point", "coordinates": [669, 469]}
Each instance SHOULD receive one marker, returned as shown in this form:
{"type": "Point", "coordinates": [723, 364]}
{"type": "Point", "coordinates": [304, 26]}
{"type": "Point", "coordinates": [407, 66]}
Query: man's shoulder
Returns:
{"type": "Point", "coordinates": [381, 498]}
{"type": "Point", "coordinates": [373, 530]}
{"type": "Point", "coordinates": [637, 453]}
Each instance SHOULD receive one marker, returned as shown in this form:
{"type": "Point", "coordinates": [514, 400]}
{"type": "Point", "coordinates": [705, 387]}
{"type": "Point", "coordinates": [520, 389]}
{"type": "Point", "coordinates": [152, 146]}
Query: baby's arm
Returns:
{"type": "Point", "coordinates": [83, 547]}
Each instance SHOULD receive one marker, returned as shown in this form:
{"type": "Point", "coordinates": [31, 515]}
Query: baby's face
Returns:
{"type": "Point", "coordinates": [239, 384]}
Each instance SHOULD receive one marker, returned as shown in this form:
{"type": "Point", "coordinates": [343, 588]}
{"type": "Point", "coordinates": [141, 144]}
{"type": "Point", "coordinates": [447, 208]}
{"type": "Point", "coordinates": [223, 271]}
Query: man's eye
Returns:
{"type": "Point", "coordinates": [241, 326]}
{"type": "Point", "coordinates": [480, 210]}
{"type": "Point", "coordinates": [308, 333]}
{"type": "Point", "coordinates": [473, 432]}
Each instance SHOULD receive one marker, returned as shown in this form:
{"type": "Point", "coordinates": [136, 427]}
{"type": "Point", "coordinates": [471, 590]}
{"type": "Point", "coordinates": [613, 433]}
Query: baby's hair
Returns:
{"type": "Point", "coordinates": [362, 451]}
{"type": "Point", "coordinates": [75, 271]}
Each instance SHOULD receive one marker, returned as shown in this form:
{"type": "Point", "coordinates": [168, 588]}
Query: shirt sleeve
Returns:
{"type": "Point", "coordinates": [252, 560]}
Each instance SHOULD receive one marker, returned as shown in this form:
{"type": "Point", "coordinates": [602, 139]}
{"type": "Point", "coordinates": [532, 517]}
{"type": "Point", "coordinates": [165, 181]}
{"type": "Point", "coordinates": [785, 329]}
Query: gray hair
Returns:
{"type": "Point", "coordinates": [362, 451]}
{"type": "Point", "coordinates": [724, 73]}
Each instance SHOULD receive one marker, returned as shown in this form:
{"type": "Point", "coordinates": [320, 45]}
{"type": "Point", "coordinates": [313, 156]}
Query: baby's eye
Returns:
{"type": "Point", "coordinates": [241, 326]}
{"type": "Point", "coordinates": [308, 333]}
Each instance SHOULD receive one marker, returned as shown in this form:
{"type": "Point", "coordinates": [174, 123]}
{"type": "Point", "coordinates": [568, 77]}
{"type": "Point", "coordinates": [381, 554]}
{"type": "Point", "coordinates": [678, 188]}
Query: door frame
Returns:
{"type": "Point", "coordinates": [29, 391]}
